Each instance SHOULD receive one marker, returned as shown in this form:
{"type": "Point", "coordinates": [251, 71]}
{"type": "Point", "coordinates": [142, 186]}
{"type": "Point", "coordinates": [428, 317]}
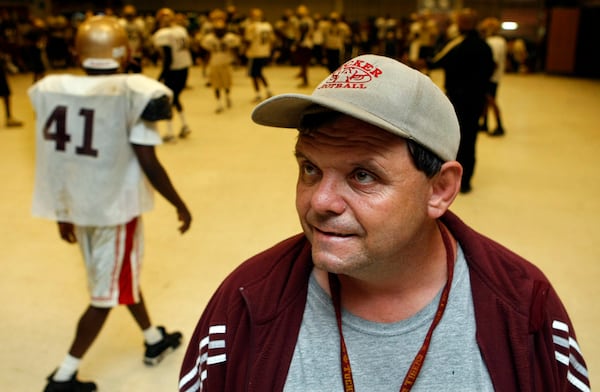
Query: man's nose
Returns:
{"type": "Point", "coordinates": [328, 197]}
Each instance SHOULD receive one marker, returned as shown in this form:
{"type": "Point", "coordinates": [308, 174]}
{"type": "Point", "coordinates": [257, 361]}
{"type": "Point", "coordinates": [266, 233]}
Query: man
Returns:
{"type": "Point", "coordinates": [490, 27]}
{"type": "Point", "coordinates": [468, 64]}
{"type": "Point", "coordinates": [173, 42]}
{"type": "Point", "coordinates": [336, 35]}
{"type": "Point", "coordinates": [386, 289]}
{"type": "Point", "coordinates": [303, 44]}
{"type": "Point", "coordinates": [95, 165]}
{"type": "Point", "coordinates": [220, 44]}
{"type": "Point", "coordinates": [136, 36]}
{"type": "Point", "coordinates": [285, 30]}
{"type": "Point", "coordinates": [259, 37]}
{"type": "Point", "coordinates": [6, 94]}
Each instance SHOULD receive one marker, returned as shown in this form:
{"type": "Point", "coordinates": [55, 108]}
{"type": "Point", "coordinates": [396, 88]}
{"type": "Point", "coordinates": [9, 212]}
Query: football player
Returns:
{"type": "Point", "coordinates": [173, 42]}
{"type": "Point", "coordinates": [220, 44]}
{"type": "Point", "coordinates": [96, 169]}
{"type": "Point", "coordinates": [260, 37]}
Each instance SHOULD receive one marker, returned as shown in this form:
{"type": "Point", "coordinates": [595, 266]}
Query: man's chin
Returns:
{"type": "Point", "coordinates": [329, 262]}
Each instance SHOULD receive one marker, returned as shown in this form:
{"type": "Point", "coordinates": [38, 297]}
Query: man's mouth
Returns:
{"type": "Point", "coordinates": [332, 233]}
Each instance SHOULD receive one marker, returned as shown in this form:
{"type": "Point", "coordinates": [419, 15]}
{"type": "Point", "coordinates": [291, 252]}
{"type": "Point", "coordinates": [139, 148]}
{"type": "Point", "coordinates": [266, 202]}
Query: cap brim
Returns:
{"type": "Point", "coordinates": [286, 110]}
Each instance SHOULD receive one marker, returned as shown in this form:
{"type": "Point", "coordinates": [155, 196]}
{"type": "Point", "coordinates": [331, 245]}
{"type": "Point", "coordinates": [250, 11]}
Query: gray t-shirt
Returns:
{"type": "Point", "coordinates": [381, 353]}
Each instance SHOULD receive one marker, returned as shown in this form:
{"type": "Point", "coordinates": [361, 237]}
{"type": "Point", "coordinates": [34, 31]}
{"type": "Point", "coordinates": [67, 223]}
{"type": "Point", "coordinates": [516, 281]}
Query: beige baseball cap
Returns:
{"type": "Point", "coordinates": [380, 91]}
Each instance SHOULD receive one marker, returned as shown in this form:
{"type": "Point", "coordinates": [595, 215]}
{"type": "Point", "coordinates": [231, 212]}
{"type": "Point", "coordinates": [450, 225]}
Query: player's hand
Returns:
{"type": "Point", "coordinates": [67, 232]}
{"type": "Point", "coordinates": [184, 216]}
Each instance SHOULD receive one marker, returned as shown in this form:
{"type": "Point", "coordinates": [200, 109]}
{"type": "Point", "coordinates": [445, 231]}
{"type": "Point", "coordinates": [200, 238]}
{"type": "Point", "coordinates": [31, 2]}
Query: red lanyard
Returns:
{"type": "Point", "coordinates": [417, 363]}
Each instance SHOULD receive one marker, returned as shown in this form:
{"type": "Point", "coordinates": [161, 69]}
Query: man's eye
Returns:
{"type": "Point", "coordinates": [308, 169]}
{"type": "Point", "coordinates": [363, 177]}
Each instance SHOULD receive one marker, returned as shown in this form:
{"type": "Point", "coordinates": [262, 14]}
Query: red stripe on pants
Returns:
{"type": "Point", "coordinates": [126, 295]}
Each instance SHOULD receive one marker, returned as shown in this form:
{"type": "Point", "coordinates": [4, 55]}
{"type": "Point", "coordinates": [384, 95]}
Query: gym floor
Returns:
{"type": "Point", "coordinates": [534, 191]}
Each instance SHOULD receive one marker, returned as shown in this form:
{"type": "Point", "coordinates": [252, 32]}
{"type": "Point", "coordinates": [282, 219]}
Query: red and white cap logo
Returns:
{"type": "Point", "coordinates": [353, 74]}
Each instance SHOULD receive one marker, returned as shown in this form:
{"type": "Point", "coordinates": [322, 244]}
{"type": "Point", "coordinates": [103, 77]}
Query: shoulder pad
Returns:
{"type": "Point", "coordinates": [158, 109]}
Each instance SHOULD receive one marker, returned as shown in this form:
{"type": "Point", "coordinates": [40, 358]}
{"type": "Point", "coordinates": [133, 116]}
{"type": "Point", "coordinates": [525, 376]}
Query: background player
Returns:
{"type": "Point", "coordinates": [173, 42]}
{"type": "Point", "coordinates": [220, 44]}
{"type": "Point", "coordinates": [135, 29]}
{"type": "Point", "coordinates": [95, 161]}
{"type": "Point", "coordinates": [259, 37]}
{"type": "Point", "coordinates": [6, 94]}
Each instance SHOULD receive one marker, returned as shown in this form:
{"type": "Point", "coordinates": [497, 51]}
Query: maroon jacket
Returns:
{"type": "Point", "coordinates": [246, 336]}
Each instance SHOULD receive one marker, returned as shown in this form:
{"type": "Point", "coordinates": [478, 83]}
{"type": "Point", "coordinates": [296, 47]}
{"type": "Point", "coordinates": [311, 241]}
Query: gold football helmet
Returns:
{"type": "Point", "coordinates": [165, 17]}
{"type": "Point", "coordinates": [256, 14]}
{"type": "Point", "coordinates": [101, 43]}
{"type": "Point", "coordinates": [217, 15]}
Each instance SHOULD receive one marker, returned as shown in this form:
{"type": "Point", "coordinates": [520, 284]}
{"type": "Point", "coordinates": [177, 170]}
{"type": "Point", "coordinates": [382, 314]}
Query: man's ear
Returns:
{"type": "Point", "coordinates": [444, 188]}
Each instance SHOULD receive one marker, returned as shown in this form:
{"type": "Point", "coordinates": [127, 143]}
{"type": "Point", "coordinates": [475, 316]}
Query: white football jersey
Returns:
{"type": "Point", "coordinates": [135, 35]}
{"type": "Point", "coordinates": [177, 38]}
{"type": "Point", "coordinates": [260, 37]}
{"type": "Point", "coordinates": [220, 49]}
{"type": "Point", "coordinates": [498, 45]}
{"type": "Point", "coordinates": [86, 170]}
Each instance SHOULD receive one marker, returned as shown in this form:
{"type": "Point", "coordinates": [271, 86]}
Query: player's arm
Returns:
{"type": "Point", "coordinates": [160, 109]}
{"type": "Point", "coordinates": [167, 60]}
{"type": "Point", "coordinates": [160, 180]}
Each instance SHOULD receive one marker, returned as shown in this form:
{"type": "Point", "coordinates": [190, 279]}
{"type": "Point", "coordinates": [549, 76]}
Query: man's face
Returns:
{"type": "Point", "coordinates": [360, 199]}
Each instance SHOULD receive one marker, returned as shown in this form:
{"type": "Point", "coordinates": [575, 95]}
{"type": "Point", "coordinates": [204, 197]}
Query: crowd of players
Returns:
{"type": "Point", "coordinates": [32, 43]}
